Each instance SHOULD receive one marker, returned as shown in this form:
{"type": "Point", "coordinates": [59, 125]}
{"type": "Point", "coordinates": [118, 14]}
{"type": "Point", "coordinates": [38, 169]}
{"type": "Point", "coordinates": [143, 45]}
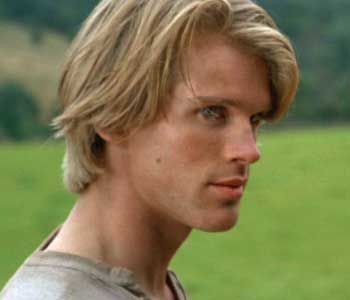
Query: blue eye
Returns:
{"type": "Point", "coordinates": [214, 113]}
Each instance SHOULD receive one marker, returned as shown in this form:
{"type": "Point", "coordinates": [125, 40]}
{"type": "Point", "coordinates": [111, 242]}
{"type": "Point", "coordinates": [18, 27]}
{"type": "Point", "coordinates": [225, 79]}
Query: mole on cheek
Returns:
{"type": "Point", "coordinates": [158, 160]}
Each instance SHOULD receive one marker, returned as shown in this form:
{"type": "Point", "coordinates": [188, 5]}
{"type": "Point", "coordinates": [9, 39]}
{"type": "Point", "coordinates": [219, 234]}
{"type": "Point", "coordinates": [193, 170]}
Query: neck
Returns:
{"type": "Point", "coordinates": [124, 232]}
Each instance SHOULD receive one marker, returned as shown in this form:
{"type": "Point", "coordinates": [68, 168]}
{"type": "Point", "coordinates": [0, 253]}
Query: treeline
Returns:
{"type": "Point", "coordinates": [20, 116]}
{"type": "Point", "coordinates": [63, 16]}
{"type": "Point", "coordinates": [320, 33]}
{"type": "Point", "coordinates": [318, 30]}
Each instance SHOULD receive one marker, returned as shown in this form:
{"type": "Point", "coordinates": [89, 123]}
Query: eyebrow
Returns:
{"type": "Point", "coordinates": [227, 101]}
{"type": "Point", "coordinates": [222, 100]}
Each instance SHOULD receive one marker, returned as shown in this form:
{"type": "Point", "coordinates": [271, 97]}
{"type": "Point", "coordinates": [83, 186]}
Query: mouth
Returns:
{"type": "Point", "coordinates": [230, 189]}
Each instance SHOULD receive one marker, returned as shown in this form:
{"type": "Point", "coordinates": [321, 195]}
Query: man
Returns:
{"type": "Point", "coordinates": [162, 101]}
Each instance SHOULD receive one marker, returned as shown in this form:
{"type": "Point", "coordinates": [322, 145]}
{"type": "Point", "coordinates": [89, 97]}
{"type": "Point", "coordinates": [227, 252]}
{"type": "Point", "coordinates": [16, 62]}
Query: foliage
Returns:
{"type": "Point", "coordinates": [62, 16]}
{"type": "Point", "coordinates": [291, 241]}
{"type": "Point", "coordinates": [20, 114]}
{"type": "Point", "coordinates": [318, 31]}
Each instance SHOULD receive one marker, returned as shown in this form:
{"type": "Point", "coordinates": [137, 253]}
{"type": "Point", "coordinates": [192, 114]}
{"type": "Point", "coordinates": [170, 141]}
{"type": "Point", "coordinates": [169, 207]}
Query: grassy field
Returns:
{"type": "Point", "coordinates": [292, 241]}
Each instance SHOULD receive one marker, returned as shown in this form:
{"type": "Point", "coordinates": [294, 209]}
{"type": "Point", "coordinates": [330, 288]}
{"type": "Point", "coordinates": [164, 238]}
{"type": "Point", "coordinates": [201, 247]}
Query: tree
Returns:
{"type": "Point", "coordinates": [64, 16]}
{"type": "Point", "coordinates": [19, 114]}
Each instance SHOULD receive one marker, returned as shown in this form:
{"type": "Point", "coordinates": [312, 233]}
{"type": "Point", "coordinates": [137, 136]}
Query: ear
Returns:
{"type": "Point", "coordinates": [105, 135]}
{"type": "Point", "coordinates": [111, 137]}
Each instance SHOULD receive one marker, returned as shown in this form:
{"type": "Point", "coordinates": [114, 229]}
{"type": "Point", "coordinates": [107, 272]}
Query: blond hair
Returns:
{"type": "Point", "coordinates": [124, 61]}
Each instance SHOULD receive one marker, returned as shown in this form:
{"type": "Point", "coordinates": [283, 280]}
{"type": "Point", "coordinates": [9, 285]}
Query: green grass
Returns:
{"type": "Point", "coordinates": [291, 242]}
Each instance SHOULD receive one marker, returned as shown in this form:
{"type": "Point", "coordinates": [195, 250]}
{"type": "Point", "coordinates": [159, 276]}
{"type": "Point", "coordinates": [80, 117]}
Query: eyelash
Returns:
{"type": "Point", "coordinates": [259, 118]}
{"type": "Point", "coordinates": [216, 113]}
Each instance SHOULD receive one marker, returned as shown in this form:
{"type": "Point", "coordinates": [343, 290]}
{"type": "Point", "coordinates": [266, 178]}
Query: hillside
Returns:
{"type": "Point", "coordinates": [36, 66]}
{"type": "Point", "coordinates": [318, 32]}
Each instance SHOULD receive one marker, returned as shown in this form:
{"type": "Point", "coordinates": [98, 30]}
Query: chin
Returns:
{"type": "Point", "coordinates": [220, 227]}
{"type": "Point", "coordinates": [220, 223]}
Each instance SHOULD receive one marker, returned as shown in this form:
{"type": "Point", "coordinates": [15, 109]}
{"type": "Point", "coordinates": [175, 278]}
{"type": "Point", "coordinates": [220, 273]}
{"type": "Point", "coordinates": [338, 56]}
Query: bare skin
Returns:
{"type": "Point", "coordinates": [166, 179]}
{"type": "Point", "coordinates": [129, 238]}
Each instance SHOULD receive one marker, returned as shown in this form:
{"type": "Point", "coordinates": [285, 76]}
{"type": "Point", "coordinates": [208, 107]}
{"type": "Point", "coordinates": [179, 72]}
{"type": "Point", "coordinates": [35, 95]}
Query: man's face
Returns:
{"type": "Point", "coordinates": [192, 164]}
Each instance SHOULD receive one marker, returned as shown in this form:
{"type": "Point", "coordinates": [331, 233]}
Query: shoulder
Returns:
{"type": "Point", "coordinates": [39, 282]}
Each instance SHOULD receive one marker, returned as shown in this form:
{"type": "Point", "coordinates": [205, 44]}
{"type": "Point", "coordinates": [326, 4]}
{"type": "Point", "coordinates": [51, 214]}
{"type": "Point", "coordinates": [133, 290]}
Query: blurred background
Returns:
{"type": "Point", "coordinates": [292, 241]}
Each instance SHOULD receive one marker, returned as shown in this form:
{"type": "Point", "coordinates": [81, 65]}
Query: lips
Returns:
{"type": "Point", "coordinates": [233, 182]}
{"type": "Point", "coordinates": [230, 188]}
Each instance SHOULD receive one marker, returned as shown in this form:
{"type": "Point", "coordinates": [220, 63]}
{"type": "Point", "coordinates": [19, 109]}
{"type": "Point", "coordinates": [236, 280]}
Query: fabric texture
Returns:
{"type": "Point", "coordinates": [62, 276]}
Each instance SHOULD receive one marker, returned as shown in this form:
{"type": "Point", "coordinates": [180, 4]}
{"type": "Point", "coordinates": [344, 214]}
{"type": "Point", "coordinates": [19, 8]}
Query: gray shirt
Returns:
{"type": "Point", "coordinates": [49, 275]}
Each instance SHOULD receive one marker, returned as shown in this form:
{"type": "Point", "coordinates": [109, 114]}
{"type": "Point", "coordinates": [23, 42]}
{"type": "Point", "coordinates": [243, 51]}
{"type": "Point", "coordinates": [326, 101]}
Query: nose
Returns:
{"type": "Point", "coordinates": [243, 147]}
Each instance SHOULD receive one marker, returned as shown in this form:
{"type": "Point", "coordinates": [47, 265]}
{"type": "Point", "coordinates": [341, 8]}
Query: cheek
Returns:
{"type": "Point", "coordinates": [193, 148]}
{"type": "Point", "coordinates": [185, 162]}
{"type": "Point", "coordinates": [175, 159]}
